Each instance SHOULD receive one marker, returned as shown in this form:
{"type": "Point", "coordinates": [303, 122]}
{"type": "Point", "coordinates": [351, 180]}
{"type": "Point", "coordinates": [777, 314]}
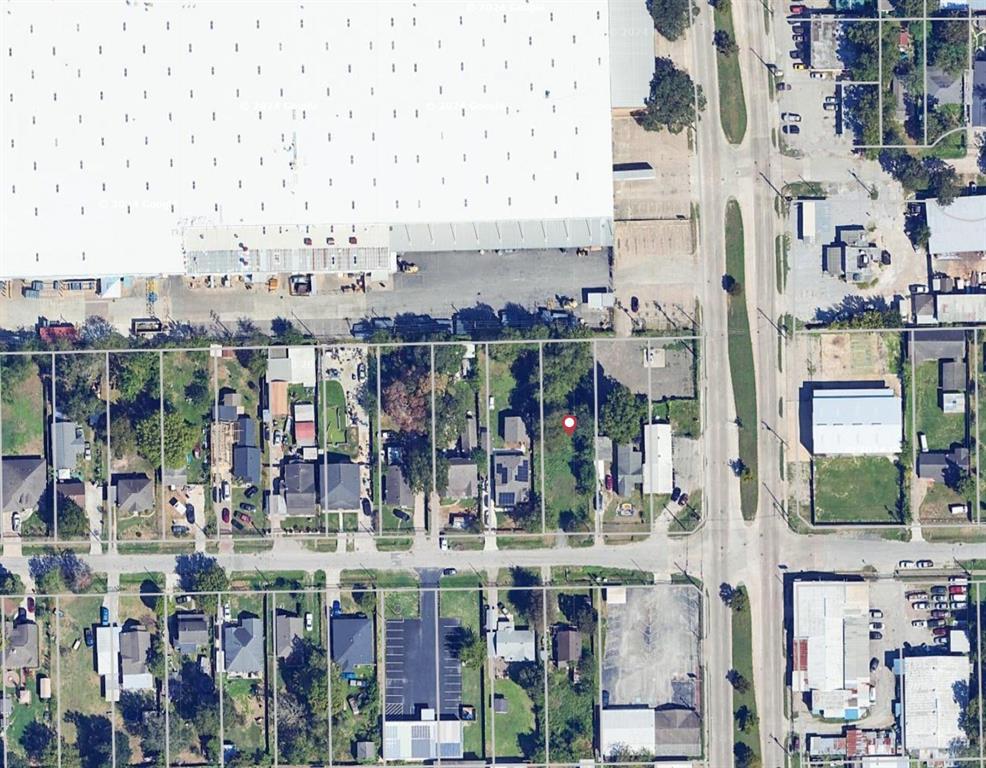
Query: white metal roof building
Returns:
{"type": "Point", "coordinates": [657, 464]}
{"type": "Point", "coordinates": [856, 421]}
{"type": "Point", "coordinates": [134, 130]}
{"type": "Point", "coordinates": [933, 701]}
{"type": "Point", "coordinates": [830, 654]}
{"type": "Point", "coordinates": [420, 740]}
{"type": "Point", "coordinates": [631, 28]}
{"type": "Point", "coordinates": [627, 730]}
{"type": "Point", "coordinates": [957, 228]}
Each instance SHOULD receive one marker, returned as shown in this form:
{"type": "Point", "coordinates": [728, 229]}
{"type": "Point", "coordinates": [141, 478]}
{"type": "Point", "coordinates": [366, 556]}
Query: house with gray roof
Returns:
{"type": "Point", "coordinates": [678, 733]}
{"type": "Point", "coordinates": [938, 465]}
{"type": "Point", "coordinates": [505, 641]}
{"type": "Point", "coordinates": [298, 479]}
{"type": "Point", "coordinates": [463, 480]}
{"type": "Point", "coordinates": [341, 485]}
{"type": "Point", "coordinates": [953, 375]}
{"type": "Point", "coordinates": [938, 344]}
{"type": "Point", "coordinates": [134, 494]}
{"type": "Point", "coordinates": [396, 491]}
{"type": "Point", "coordinates": [288, 628]}
{"type": "Point", "coordinates": [243, 647]}
{"type": "Point", "coordinates": [352, 642]}
{"type": "Point", "coordinates": [979, 94]}
{"type": "Point", "coordinates": [246, 463]}
{"type": "Point", "coordinates": [511, 479]}
{"type": "Point", "coordinates": [135, 643]}
{"type": "Point", "coordinates": [945, 88]}
{"type": "Point", "coordinates": [22, 646]}
{"type": "Point", "coordinates": [628, 471]}
{"type": "Point", "coordinates": [469, 436]}
{"type": "Point", "coordinates": [68, 442]}
{"type": "Point", "coordinates": [25, 480]}
{"type": "Point", "coordinates": [192, 632]}
{"type": "Point", "coordinates": [514, 430]}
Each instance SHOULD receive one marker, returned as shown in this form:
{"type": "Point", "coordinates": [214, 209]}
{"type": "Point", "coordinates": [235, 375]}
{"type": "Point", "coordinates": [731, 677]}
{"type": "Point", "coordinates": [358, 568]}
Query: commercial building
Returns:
{"type": "Point", "coordinates": [934, 695]}
{"type": "Point", "coordinates": [211, 139]}
{"type": "Point", "coordinates": [856, 421]}
{"type": "Point", "coordinates": [672, 732]}
{"type": "Point", "coordinates": [830, 647]}
{"type": "Point", "coordinates": [957, 229]}
{"type": "Point", "coordinates": [425, 739]}
{"type": "Point", "coordinates": [657, 466]}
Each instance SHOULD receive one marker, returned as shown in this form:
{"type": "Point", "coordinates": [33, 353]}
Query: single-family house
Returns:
{"type": "Point", "coordinates": [463, 481]}
{"type": "Point", "coordinates": [25, 479]}
{"type": "Point", "coordinates": [134, 494]}
{"type": "Point", "coordinates": [341, 487]}
{"type": "Point", "coordinates": [22, 646]}
{"type": "Point", "coordinates": [511, 479]}
{"type": "Point", "coordinates": [295, 365]}
{"type": "Point", "coordinates": [68, 442]}
{"type": "Point", "coordinates": [299, 488]}
{"type": "Point", "coordinates": [192, 632]}
{"type": "Point", "coordinates": [243, 647]}
{"type": "Point", "coordinates": [352, 642]}
{"type": "Point", "coordinates": [135, 643]}
{"type": "Point", "coordinates": [505, 641]}
{"type": "Point", "coordinates": [514, 431]}
{"type": "Point", "coordinates": [396, 491]}
{"type": "Point", "coordinates": [289, 629]}
{"type": "Point", "coordinates": [628, 468]}
{"type": "Point", "coordinates": [568, 645]}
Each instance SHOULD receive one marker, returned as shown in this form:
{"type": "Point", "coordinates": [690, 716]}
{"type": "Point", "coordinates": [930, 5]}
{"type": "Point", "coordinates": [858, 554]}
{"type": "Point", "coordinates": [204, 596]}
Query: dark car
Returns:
{"type": "Point", "coordinates": [87, 636]}
{"type": "Point", "coordinates": [634, 304]}
{"type": "Point", "coordinates": [190, 514]}
{"type": "Point", "coordinates": [247, 507]}
{"type": "Point", "coordinates": [251, 491]}
{"type": "Point", "coordinates": [876, 636]}
{"type": "Point", "coordinates": [791, 129]}
{"type": "Point", "coordinates": [336, 608]}
{"type": "Point", "coordinates": [939, 631]}
{"type": "Point", "coordinates": [225, 514]}
{"type": "Point", "coordinates": [675, 493]}
{"type": "Point", "coordinates": [874, 664]}
{"type": "Point", "coordinates": [609, 482]}
{"type": "Point", "coordinates": [782, 86]}
{"type": "Point", "coordinates": [683, 500]}
{"type": "Point", "coordinates": [449, 572]}
{"type": "Point", "coordinates": [104, 616]}
{"type": "Point", "coordinates": [30, 604]}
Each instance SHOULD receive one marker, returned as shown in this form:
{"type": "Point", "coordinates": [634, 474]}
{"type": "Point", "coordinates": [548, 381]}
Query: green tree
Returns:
{"type": "Point", "coordinates": [180, 438]}
{"type": "Point", "coordinates": [671, 17]}
{"type": "Point", "coordinates": [73, 524]}
{"type": "Point", "coordinates": [744, 756]}
{"type": "Point", "coordinates": [746, 719]}
{"type": "Point", "coordinates": [948, 45]}
{"type": "Point", "coordinates": [672, 100]}
{"type": "Point", "coordinates": [148, 431]}
{"type": "Point", "coordinates": [135, 375]}
{"type": "Point", "coordinates": [10, 583]}
{"type": "Point", "coordinates": [416, 461]}
{"type": "Point", "coordinates": [40, 743]}
{"type": "Point", "coordinates": [469, 647]}
{"type": "Point", "coordinates": [210, 578]}
{"type": "Point", "coordinates": [567, 374]}
{"type": "Point", "coordinates": [943, 183]}
{"type": "Point", "coordinates": [622, 414]}
{"type": "Point", "coordinates": [77, 385]}
{"type": "Point", "coordinates": [724, 42]}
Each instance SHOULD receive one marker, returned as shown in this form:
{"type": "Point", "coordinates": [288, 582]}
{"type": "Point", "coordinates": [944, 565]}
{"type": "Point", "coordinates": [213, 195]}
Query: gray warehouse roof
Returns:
{"type": "Point", "coordinates": [493, 235]}
{"type": "Point", "coordinates": [959, 227]}
{"type": "Point", "coordinates": [631, 53]}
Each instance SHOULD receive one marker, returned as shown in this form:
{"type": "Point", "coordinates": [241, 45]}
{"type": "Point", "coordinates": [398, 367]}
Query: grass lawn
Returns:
{"type": "Point", "coordinates": [515, 726]}
{"type": "Point", "coordinates": [80, 685]}
{"type": "Point", "coordinates": [732, 105]}
{"type": "Point", "coordinates": [187, 378]}
{"type": "Point", "coordinates": [743, 663]}
{"type": "Point", "coordinates": [232, 375]}
{"type": "Point", "coordinates": [941, 429]}
{"type": "Point", "coordinates": [502, 385]}
{"type": "Point", "coordinates": [402, 605]}
{"type": "Point", "coordinates": [683, 413]}
{"type": "Point", "coordinates": [333, 427]}
{"type": "Point", "coordinates": [23, 407]}
{"type": "Point", "coordinates": [936, 501]}
{"type": "Point", "coordinates": [741, 360]}
{"type": "Point", "coordinates": [465, 605]}
{"type": "Point", "coordinates": [857, 489]}
{"type": "Point", "coordinates": [560, 493]}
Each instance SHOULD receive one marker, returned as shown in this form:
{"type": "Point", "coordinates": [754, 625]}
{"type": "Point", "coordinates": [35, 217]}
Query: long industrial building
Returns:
{"type": "Point", "coordinates": [830, 647]}
{"type": "Point", "coordinates": [221, 138]}
{"type": "Point", "coordinates": [856, 421]}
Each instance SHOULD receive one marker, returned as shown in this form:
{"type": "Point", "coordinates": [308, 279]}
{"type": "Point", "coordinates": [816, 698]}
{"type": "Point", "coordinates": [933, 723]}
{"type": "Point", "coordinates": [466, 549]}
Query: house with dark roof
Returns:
{"type": "Point", "coordinates": [396, 491]}
{"type": "Point", "coordinates": [945, 88]}
{"type": "Point", "coordinates": [73, 491]}
{"type": "Point", "coordinates": [979, 93]}
{"type": "Point", "coordinates": [22, 646]}
{"type": "Point", "coordinates": [288, 629]}
{"type": "Point", "coordinates": [134, 494]}
{"type": "Point", "coordinates": [628, 468]}
{"type": "Point", "coordinates": [514, 430]}
{"type": "Point", "coordinates": [352, 642]}
{"type": "Point", "coordinates": [243, 647]}
{"type": "Point", "coordinates": [25, 480]}
{"type": "Point", "coordinates": [246, 463]}
{"type": "Point", "coordinates": [678, 733]}
{"type": "Point", "coordinates": [938, 344]}
{"type": "Point", "coordinates": [246, 431]}
{"type": "Point", "coordinates": [568, 645]}
{"type": "Point", "coordinates": [463, 480]}
{"type": "Point", "coordinates": [298, 479]}
{"type": "Point", "coordinates": [511, 479]}
{"type": "Point", "coordinates": [469, 436]}
{"type": "Point", "coordinates": [341, 487]}
{"type": "Point", "coordinates": [953, 375]}
{"type": "Point", "coordinates": [191, 632]}
{"type": "Point", "coordinates": [938, 465]}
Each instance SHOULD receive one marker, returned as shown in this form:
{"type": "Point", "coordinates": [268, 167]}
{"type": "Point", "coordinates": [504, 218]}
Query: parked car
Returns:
{"type": "Point", "coordinates": [361, 372]}
{"type": "Point", "coordinates": [104, 616]}
{"type": "Point", "coordinates": [874, 664]}
{"type": "Point", "coordinates": [876, 636]}
{"type": "Point", "coordinates": [251, 491]}
{"type": "Point", "coordinates": [791, 117]}
{"type": "Point", "coordinates": [830, 106]}
{"type": "Point", "coordinates": [449, 572]}
{"type": "Point", "coordinates": [243, 517]}
{"type": "Point", "coordinates": [925, 563]}
{"type": "Point", "coordinates": [876, 626]}
{"type": "Point", "coordinates": [782, 86]}
{"type": "Point", "coordinates": [87, 636]}
{"type": "Point", "coordinates": [939, 590]}
{"type": "Point", "coordinates": [791, 129]}
{"type": "Point", "coordinates": [939, 631]}
{"type": "Point", "coordinates": [30, 604]}
{"type": "Point", "coordinates": [15, 522]}
{"type": "Point", "coordinates": [609, 482]}
{"type": "Point", "coordinates": [278, 437]}
{"type": "Point", "coordinates": [336, 608]}
{"type": "Point", "coordinates": [817, 75]}
{"type": "Point", "coordinates": [247, 506]}
{"type": "Point", "coordinates": [905, 564]}
{"type": "Point", "coordinates": [956, 589]}
{"type": "Point", "coordinates": [225, 514]}
{"type": "Point", "coordinates": [876, 613]}
{"type": "Point", "coordinates": [919, 623]}
{"type": "Point", "coordinates": [309, 622]}
{"type": "Point", "coordinates": [226, 489]}
{"type": "Point", "coordinates": [795, 54]}
{"type": "Point", "coordinates": [797, 10]}
{"type": "Point", "coordinates": [227, 613]}
{"type": "Point", "coordinates": [920, 605]}
{"type": "Point", "coordinates": [675, 493]}
{"type": "Point", "coordinates": [941, 640]}
{"type": "Point", "coordinates": [936, 623]}
{"type": "Point", "coordinates": [917, 595]}
{"type": "Point", "coordinates": [190, 514]}
{"type": "Point", "coordinates": [939, 614]}
{"type": "Point", "coordinates": [634, 304]}
{"type": "Point", "coordinates": [683, 500]}
{"type": "Point", "coordinates": [958, 580]}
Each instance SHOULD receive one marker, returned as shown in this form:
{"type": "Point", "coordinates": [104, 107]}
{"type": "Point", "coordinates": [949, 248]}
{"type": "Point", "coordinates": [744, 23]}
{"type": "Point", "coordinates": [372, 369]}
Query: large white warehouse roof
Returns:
{"type": "Point", "coordinates": [935, 693]}
{"type": "Point", "coordinates": [856, 421]}
{"type": "Point", "coordinates": [957, 228]}
{"type": "Point", "coordinates": [125, 123]}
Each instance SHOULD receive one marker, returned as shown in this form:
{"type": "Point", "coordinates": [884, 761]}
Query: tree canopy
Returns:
{"type": "Point", "coordinates": [671, 17]}
{"type": "Point", "coordinates": [672, 100]}
{"type": "Point", "coordinates": [622, 413]}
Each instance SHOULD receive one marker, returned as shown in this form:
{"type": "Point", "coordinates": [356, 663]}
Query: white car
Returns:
{"type": "Point", "coordinates": [876, 626]}
{"type": "Point", "coordinates": [920, 605]}
{"type": "Point", "coordinates": [925, 563]}
{"type": "Point", "coordinates": [919, 623]}
{"type": "Point", "coordinates": [791, 117]}
{"type": "Point", "coordinates": [227, 613]}
{"type": "Point", "coordinates": [905, 564]}
{"type": "Point", "coordinates": [876, 613]}
{"type": "Point", "coordinates": [308, 622]}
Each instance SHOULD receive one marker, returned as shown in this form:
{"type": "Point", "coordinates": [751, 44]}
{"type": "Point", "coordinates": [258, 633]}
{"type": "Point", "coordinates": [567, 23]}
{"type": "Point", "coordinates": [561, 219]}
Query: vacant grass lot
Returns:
{"type": "Point", "coordinates": [732, 105]}
{"type": "Point", "coordinates": [23, 405]}
{"type": "Point", "coordinates": [187, 379]}
{"type": "Point", "coordinates": [741, 360]}
{"type": "Point", "coordinates": [743, 663]}
{"type": "Point", "coordinates": [466, 606]}
{"type": "Point", "coordinates": [79, 685]}
{"type": "Point", "coordinates": [942, 429]}
{"type": "Point", "coordinates": [334, 424]}
{"type": "Point", "coordinates": [857, 489]}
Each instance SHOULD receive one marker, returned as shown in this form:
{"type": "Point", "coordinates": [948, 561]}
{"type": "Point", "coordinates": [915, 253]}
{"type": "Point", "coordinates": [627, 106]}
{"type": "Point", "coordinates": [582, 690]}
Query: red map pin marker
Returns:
{"type": "Point", "coordinates": [568, 424]}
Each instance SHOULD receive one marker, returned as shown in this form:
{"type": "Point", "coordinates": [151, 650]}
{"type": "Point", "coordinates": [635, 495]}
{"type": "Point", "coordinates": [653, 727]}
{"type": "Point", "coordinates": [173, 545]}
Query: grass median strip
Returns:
{"type": "Point", "coordinates": [732, 104]}
{"type": "Point", "coordinates": [746, 722]}
{"type": "Point", "coordinates": [741, 360]}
